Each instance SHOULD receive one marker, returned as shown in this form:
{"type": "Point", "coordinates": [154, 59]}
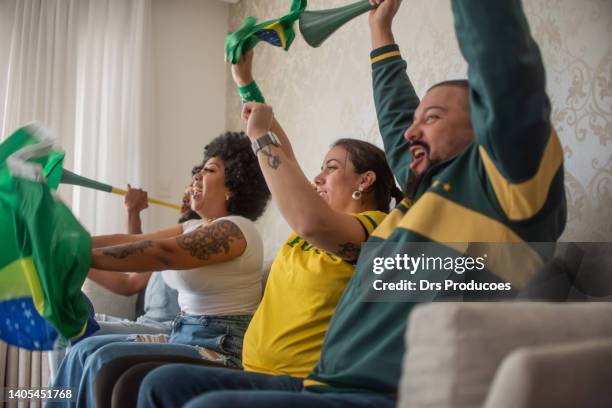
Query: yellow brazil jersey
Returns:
{"type": "Point", "coordinates": [303, 288]}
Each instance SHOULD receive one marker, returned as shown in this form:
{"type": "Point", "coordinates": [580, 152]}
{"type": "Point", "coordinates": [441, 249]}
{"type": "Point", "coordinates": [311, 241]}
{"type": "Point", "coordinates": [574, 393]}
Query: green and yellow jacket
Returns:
{"type": "Point", "coordinates": [505, 187]}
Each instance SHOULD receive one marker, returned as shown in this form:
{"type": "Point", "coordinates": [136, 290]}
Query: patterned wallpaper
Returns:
{"type": "Point", "coordinates": [323, 94]}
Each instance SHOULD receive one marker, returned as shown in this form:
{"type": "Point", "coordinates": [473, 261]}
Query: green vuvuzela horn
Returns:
{"type": "Point", "coordinates": [317, 26]}
{"type": "Point", "coordinates": [69, 177]}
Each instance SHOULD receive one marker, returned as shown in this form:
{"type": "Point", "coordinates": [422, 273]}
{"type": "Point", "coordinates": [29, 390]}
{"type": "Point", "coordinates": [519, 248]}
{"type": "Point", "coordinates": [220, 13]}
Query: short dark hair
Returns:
{"type": "Point", "coordinates": [367, 157]}
{"type": "Point", "coordinates": [243, 176]}
{"type": "Point", "coordinates": [189, 215]}
{"type": "Point", "coordinates": [461, 83]}
{"type": "Point", "coordinates": [196, 169]}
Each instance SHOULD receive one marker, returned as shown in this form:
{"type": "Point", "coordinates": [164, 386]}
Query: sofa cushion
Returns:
{"type": "Point", "coordinates": [565, 375]}
{"type": "Point", "coordinates": [454, 349]}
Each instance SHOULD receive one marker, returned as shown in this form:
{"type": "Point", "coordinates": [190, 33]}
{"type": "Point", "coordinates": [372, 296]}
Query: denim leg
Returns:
{"type": "Point", "coordinates": [111, 326]}
{"type": "Point", "coordinates": [282, 399]}
{"type": "Point", "coordinates": [131, 327]}
{"type": "Point", "coordinates": [71, 369]}
{"type": "Point", "coordinates": [175, 384]}
{"type": "Point", "coordinates": [86, 391]}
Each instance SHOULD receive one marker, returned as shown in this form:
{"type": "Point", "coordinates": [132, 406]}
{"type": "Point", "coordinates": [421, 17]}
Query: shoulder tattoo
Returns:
{"type": "Point", "coordinates": [214, 239]}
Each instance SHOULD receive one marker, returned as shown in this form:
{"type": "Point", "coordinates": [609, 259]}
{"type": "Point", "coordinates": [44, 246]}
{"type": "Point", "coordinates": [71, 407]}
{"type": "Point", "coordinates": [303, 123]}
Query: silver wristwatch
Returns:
{"type": "Point", "coordinates": [263, 141]}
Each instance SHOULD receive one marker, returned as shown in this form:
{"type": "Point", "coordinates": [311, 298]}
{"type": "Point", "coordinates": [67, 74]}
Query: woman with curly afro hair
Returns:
{"type": "Point", "coordinates": [214, 263]}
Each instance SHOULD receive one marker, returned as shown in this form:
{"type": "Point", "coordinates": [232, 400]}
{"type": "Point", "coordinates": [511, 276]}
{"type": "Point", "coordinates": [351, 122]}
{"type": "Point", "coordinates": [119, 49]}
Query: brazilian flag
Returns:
{"type": "Point", "coordinates": [45, 253]}
{"type": "Point", "coordinates": [277, 32]}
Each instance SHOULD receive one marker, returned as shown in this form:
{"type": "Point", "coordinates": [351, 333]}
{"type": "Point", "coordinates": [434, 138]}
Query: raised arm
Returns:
{"type": "Point", "coordinates": [394, 96]}
{"type": "Point", "coordinates": [303, 209]}
{"type": "Point", "coordinates": [217, 242]}
{"type": "Point", "coordinates": [510, 109]}
{"type": "Point", "coordinates": [135, 201]}
{"type": "Point", "coordinates": [129, 283]}
{"type": "Point", "coordinates": [242, 72]}
{"type": "Point", "coordinates": [126, 284]}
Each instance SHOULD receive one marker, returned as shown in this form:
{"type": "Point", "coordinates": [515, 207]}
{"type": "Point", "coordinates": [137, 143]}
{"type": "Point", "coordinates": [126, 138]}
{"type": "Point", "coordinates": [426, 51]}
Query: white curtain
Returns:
{"type": "Point", "coordinates": [83, 69]}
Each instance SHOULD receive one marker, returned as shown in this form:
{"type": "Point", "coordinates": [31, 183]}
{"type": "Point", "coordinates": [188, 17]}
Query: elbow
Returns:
{"type": "Point", "coordinates": [311, 226]}
{"type": "Point", "coordinates": [164, 257]}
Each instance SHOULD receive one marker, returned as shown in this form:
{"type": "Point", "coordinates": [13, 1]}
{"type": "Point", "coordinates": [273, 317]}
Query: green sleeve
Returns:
{"type": "Point", "coordinates": [510, 108]}
{"type": "Point", "coordinates": [395, 101]}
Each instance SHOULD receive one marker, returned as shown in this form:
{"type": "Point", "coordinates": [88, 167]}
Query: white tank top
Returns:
{"type": "Point", "coordinates": [227, 288]}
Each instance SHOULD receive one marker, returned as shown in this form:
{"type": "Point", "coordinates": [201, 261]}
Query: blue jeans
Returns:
{"type": "Point", "coordinates": [175, 385]}
{"type": "Point", "coordinates": [113, 325]}
{"type": "Point", "coordinates": [222, 334]}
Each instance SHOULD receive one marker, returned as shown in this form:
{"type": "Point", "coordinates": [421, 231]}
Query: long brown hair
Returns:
{"type": "Point", "coordinates": [366, 157]}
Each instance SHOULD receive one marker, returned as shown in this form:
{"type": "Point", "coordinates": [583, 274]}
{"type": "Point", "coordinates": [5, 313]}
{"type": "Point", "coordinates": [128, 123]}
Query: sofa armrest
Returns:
{"type": "Point", "coordinates": [565, 375]}
{"type": "Point", "coordinates": [454, 349]}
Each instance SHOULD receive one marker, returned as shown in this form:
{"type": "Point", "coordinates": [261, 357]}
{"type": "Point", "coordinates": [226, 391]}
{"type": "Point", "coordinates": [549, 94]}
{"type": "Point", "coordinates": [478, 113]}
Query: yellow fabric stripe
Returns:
{"type": "Point", "coordinates": [385, 56]}
{"type": "Point", "coordinates": [405, 203]}
{"type": "Point", "coordinates": [20, 279]}
{"type": "Point", "coordinates": [443, 220]}
{"type": "Point", "coordinates": [38, 297]}
{"type": "Point", "coordinates": [82, 332]}
{"type": "Point", "coordinates": [523, 200]}
{"type": "Point", "coordinates": [388, 225]}
{"type": "Point", "coordinates": [279, 30]}
{"type": "Point", "coordinates": [13, 279]}
{"type": "Point", "coordinates": [390, 222]}
{"type": "Point", "coordinates": [367, 224]}
{"type": "Point", "coordinates": [463, 225]}
{"type": "Point", "coordinates": [309, 383]}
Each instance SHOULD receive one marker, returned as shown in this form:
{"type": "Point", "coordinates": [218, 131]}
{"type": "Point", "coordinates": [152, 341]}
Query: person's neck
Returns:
{"type": "Point", "coordinates": [356, 207]}
{"type": "Point", "coordinates": [211, 214]}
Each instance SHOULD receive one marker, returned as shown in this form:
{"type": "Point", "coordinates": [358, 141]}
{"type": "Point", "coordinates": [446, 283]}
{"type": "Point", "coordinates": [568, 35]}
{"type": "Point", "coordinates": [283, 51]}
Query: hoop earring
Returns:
{"type": "Point", "coordinates": [357, 194]}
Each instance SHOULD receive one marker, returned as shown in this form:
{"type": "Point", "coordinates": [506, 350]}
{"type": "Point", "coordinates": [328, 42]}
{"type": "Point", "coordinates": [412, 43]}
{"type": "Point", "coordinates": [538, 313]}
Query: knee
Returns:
{"type": "Point", "coordinates": [103, 355]}
{"type": "Point", "coordinates": [155, 385]}
{"type": "Point", "coordinates": [216, 399]}
{"type": "Point", "coordinates": [83, 349]}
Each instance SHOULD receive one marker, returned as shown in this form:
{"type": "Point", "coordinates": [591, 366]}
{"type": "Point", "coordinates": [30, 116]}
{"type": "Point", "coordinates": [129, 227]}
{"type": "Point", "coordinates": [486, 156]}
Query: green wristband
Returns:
{"type": "Point", "coordinates": [250, 93]}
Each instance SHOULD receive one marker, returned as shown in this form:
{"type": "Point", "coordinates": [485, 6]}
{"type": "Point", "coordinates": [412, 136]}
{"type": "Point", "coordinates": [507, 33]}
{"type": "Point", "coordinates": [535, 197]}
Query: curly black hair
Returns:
{"type": "Point", "coordinates": [243, 177]}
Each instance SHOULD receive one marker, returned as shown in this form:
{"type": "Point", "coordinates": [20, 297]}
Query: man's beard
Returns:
{"type": "Point", "coordinates": [414, 180]}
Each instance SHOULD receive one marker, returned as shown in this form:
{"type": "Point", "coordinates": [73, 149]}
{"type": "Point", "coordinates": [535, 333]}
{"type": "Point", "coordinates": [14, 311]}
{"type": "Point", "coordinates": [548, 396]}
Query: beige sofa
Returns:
{"type": "Point", "coordinates": [508, 355]}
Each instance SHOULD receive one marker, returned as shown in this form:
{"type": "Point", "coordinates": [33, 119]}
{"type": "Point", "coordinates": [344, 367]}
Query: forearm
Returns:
{"type": "Point", "coordinates": [381, 36]}
{"type": "Point", "coordinates": [395, 101]}
{"type": "Point", "coordinates": [140, 256]}
{"type": "Point", "coordinates": [299, 204]}
{"type": "Point", "coordinates": [284, 140]}
{"type": "Point", "coordinates": [134, 223]}
{"type": "Point", "coordinates": [217, 242]}
{"type": "Point", "coordinates": [115, 239]}
{"type": "Point", "coordinates": [510, 108]}
{"type": "Point", "coordinates": [126, 284]}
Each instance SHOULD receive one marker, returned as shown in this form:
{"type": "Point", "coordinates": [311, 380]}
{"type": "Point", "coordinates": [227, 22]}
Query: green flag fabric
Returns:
{"type": "Point", "coordinates": [45, 253]}
{"type": "Point", "coordinates": [278, 32]}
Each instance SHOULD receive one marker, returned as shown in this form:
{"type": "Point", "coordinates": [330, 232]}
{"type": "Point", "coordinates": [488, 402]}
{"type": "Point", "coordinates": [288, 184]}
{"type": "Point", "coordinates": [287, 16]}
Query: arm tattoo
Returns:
{"type": "Point", "coordinates": [123, 251]}
{"type": "Point", "coordinates": [273, 160]}
{"type": "Point", "coordinates": [214, 239]}
{"type": "Point", "coordinates": [348, 251]}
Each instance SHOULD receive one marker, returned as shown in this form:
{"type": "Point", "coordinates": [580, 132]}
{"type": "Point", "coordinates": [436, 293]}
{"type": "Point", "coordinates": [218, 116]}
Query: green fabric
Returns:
{"type": "Point", "coordinates": [37, 229]}
{"type": "Point", "coordinates": [250, 93]}
{"type": "Point", "coordinates": [364, 346]}
{"type": "Point", "coordinates": [278, 32]}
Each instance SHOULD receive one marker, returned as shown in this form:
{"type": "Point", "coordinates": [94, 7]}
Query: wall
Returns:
{"type": "Point", "coordinates": [7, 9]}
{"type": "Point", "coordinates": [189, 103]}
{"type": "Point", "coordinates": [190, 92]}
{"type": "Point", "coordinates": [325, 93]}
